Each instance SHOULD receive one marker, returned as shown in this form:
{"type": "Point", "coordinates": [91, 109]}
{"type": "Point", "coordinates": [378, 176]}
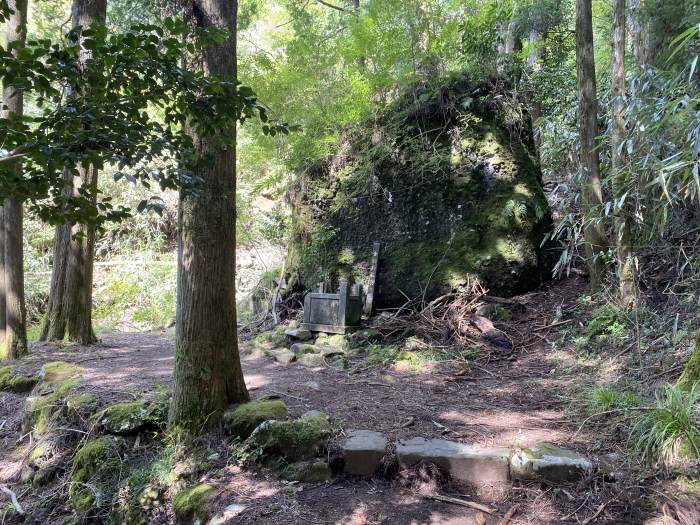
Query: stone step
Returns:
{"type": "Point", "coordinates": [363, 451]}
{"type": "Point", "coordinates": [545, 461]}
{"type": "Point", "coordinates": [462, 462]}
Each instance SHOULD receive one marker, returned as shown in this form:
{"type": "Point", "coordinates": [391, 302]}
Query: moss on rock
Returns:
{"type": "Point", "coordinates": [461, 200]}
{"type": "Point", "coordinates": [131, 417]}
{"type": "Point", "coordinates": [192, 503]}
{"type": "Point", "coordinates": [45, 407]}
{"type": "Point", "coordinates": [10, 381]}
{"type": "Point", "coordinates": [57, 371]}
{"type": "Point", "coordinates": [307, 471]}
{"type": "Point", "coordinates": [295, 440]}
{"type": "Point", "coordinates": [691, 372]}
{"type": "Point", "coordinates": [95, 472]}
{"type": "Point", "coordinates": [241, 421]}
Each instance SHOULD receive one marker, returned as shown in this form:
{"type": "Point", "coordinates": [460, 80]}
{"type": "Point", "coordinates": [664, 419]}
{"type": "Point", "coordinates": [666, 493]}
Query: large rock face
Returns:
{"type": "Point", "coordinates": [446, 181]}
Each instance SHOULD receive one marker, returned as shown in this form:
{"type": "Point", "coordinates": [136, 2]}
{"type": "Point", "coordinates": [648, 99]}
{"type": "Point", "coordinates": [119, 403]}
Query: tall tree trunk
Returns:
{"type": "Point", "coordinates": [595, 242]}
{"type": "Point", "coordinates": [3, 310]}
{"type": "Point", "coordinates": [15, 341]}
{"type": "Point", "coordinates": [535, 105]}
{"type": "Point", "coordinates": [626, 264]}
{"type": "Point", "coordinates": [208, 375]}
{"type": "Point", "coordinates": [69, 313]}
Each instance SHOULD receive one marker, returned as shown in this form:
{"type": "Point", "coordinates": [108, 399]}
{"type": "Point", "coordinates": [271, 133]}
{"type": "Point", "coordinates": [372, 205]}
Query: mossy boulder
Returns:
{"type": "Point", "coordinates": [95, 473]}
{"type": "Point", "coordinates": [690, 378]}
{"type": "Point", "coordinates": [241, 421]}
{"type": "Point", "coordinates": [192, 504]}
{"type": "Point", "coordinates": [46, 405]}
{"type": "Point", "coordinates": [334, 342]}
{"type": "Point", "coordinates": [294, 440]}
{"type": "Point", "coordinates": [11, 381]}
{"type": "Point", "coordinates": [450, 187]}
{"type": "Point", "coordinates": [57, 371]}
{"type": "Point", "coordinates": [132, 416]}
{"type": "Point", "coordinates": [313, 471]}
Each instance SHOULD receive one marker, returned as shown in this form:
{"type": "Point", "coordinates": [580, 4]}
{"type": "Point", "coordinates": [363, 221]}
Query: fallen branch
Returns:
{"type": "Point", "coordinates": [462, 502]}
{"type": "Point", "coordinates": [566, 321]}
{"type": "Point", "coordinates": [601, 508]}
{"type": "Point", "coordinates": [13, 497]}
{"type": "Point", "coordinates": [509, 515]}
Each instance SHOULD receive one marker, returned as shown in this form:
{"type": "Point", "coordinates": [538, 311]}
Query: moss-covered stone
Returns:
{"type": "Point", "coordinates": [337, 342]}
{"type": "Point", "coordinates": [448, 186]}
{"type": "Point", "coordinates": [131, 417]}
{"type": "Point", "coordinates": [81, 405]}
{"type": "Point", "coordinates": [95, 473]}
{"type": "Point", "coordinates": [241, 421]}
{"type": "Point", "coordinates": [10, 381]}
{"type": "Point", "coordinates": [691, 372]}
{"type": "Point", "coordinates": [192, 503]}
{"type": "Point", "coordinates": [307, 471]}
{"type": "Point", "coordinates": [45, 407]}
{"type": "Point", "coordinates": [57, 371]}
{"type": "Point", "coordinates": [295, 440]}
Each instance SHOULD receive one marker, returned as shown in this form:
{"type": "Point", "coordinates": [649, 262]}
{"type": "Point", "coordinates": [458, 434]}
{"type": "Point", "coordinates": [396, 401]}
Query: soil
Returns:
{"type": "Point", "coordinates": [514, 399]}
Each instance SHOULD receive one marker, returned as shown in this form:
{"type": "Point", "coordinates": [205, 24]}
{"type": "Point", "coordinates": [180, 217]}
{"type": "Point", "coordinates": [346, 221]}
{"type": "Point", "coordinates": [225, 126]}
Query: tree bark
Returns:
{"type": "Point", "coordinates": [595, 242]}
{"type": "Point", "coordinates": [208, 375]}
{"type": "Point", "coordinates": [3, 310]}
{"type": "Point", "coordinates": [626, 263]}
{"type": "Point", "coordinates": [15, 340]}
{"type": "Point", "coordinates": [69, 313]}
{"type": "Point", "coordinates": [535, 105]}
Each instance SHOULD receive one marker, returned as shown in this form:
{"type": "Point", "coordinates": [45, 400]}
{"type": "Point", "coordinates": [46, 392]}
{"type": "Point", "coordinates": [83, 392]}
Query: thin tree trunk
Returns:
{"type": "Point", "coordinates": [15, 341]}
{"type": "Point", "coordinates": [626, 264]}
{"type": "Point", "coordinates": [208, 375]}
{"type": "Point", "coordinates": [535, 105]}
{"type": "Point", "coordinates": [3, 311]}
{"type": "Point", "coordinates": [69, 313]}
{"type": "Point", "coordinates": [595, 242]}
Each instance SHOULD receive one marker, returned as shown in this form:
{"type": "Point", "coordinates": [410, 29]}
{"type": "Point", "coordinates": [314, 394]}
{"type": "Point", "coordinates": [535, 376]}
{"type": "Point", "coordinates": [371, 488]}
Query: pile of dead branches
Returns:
{"type": "Point", "coordinates": [451, 320]}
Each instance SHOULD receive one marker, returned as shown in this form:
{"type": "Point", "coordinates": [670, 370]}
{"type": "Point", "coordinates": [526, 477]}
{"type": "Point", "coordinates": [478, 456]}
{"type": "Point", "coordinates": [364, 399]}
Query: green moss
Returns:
{"type": "Point", "coordinates": [95, 473]}
{"type": "Point", "coordinates": [57, 371]}
{"type": "Point", "coordinates": [192, 503]}
{"type": "Point", "coordinates": [295, 440]}
{"type": "Point", "coordinates": [244, 419]}
{"type": "Point", "coordinates": [131, 417]}
{"type": "Point", "coordinates": [307, 471]}
{"type": "Point", "coordinates": [12, 382]}
{"type": "Point", "coordinates": [43, 409]}
{"type": "Point", "coordinates": [81, 404]}
{"type": "Point", "coordinates": [691, 372]}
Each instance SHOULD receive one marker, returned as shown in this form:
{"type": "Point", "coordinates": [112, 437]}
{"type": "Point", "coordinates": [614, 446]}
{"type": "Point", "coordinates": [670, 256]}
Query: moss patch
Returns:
{"type": "Point", "coordinates": [46, 406]}
{"type": "Point", "coordinates": [57, 371]}
{"type": "Point", "coordinates": [13, 382]}
{"type": "Point", "coordinates": [691, 372]}
{"type": "Point", "coordinates": [192, 503]}
{"type": "Point", "coordinates": [307, 471]}
{"type": "Point", "coordinates": [95, 473]}
{"type": "Point", "coordinates": [131, 417]}
{"type": "Point", "coordinates": [241, 421]}
{"type": "Point", "coordinates": [295, 440]}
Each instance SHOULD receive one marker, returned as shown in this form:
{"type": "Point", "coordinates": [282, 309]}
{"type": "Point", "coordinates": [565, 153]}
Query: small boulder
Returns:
{"type": "Point", "coordinates": [96, 468]}
{"type": "Point", "coordinates": [299, 334]}
{"type": "Point", "coordinates": [312, 360]}
{"type": "Point", "coordinates": [241, 421]}
{"type": "Point", "coordinates": [193, 503]}
{"type": "Point", "coordinates": [364, 337]}
{"type": "Point", "coordinates": [284, 356]}
{"type": "Point", "coordinates": [313, 471]}
{"type": "Point", "coordinates": [332, 352]}
{"type": "Point", "coordinates": [131, 417]}
{"type": "Point", "coordinates": [304, 348]}
{"type": "Point", "coordinates": [225, 517]}
{"type": "Point", "coordinates": [13, 382]}
{"type": "Point", "coordinates": [295, 440]}
{"type": "Point", "coordinates": [545, 461]}
{"type": "Point", "coordinates": [56, 371]}
{"type": "Point", "coordinates": [363, 451]}
{"type": "Point", "coordinates": [337, 342]}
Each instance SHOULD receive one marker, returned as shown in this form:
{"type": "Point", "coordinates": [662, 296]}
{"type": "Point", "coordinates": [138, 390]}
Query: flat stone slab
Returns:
{"type": "Point", "coordinates": [363, 451]}
{"type": "Point", "coordinates": [312, 360]}
{"type": "Point", "coordinates": [299, 334]}
{"type": "Point", "coordinates": [548, 462]}
{"type": "Point", "coordinates": [462, 462]}
{"type": "Point", "coordinates": [304, 348]}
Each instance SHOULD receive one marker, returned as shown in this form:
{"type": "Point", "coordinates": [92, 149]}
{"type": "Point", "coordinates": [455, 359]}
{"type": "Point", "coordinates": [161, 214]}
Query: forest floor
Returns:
{"type": "Point", "coordinates": [515, 398]}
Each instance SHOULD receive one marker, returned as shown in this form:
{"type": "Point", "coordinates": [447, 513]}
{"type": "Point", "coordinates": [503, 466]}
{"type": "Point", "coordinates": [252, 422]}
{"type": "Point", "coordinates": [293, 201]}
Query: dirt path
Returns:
{"type": "Point", "coordinates": [514, 401]}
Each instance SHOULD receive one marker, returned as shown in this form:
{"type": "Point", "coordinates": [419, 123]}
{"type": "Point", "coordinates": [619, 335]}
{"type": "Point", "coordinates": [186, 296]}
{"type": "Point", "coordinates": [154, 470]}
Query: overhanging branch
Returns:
{"type": "Point", "coordinates": [336, 7]}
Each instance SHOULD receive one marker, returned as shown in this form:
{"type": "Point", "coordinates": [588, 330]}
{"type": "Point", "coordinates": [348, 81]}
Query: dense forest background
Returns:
{"type": "Point", "coordinates": [191, 169]}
